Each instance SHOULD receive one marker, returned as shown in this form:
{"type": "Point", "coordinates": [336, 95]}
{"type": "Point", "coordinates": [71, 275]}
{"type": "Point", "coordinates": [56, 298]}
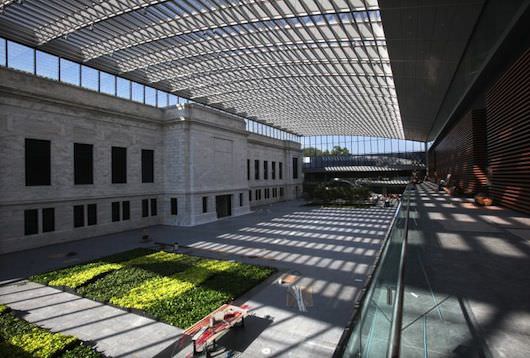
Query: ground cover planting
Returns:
{"type": "Point", "coordinates": [21, 339]}
{"type": "Point", "coordinates": [174, 288]}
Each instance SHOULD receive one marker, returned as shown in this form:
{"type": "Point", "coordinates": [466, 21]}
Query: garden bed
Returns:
{"type": "Point", "coordinates": [21, 339]}
{"type": "Point", "coordinates": [174, 288]}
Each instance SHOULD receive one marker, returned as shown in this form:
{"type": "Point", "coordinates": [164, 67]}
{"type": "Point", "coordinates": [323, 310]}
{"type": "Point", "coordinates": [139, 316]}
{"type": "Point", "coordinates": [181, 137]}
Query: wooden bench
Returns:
{"type": "Point", "coordinates": [215, 325]}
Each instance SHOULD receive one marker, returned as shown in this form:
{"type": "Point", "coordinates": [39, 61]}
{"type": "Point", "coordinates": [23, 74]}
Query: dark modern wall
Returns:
{"type": "Point", "coordinates": [462, 154]}
{"type": "Point", "coordinates": [489, 148]}
{"type": "Point", "coordinates": [508, 126]}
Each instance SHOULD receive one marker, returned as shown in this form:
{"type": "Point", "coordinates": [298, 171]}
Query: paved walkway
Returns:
{"type": "Point", "coordinates": [467, 279]}
{"type": "Point", "coordinates": [331, 250]}
{"type": "Point", "coordinates": [115, 332]}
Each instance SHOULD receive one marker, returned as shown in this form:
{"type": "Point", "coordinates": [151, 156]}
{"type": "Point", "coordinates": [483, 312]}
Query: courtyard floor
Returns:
{"type": "Point", "coordinates": [329, 250]}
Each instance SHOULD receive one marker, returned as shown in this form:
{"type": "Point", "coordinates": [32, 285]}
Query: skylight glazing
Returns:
{"type": "Point", "coordinates": [313, 67]}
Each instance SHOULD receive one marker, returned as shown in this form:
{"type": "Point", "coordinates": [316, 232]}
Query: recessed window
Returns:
{"type": "Point", "coordinates": [125, 210]}
{"type": "Point", "coordinates": [145, 208]}
{"type": "Point", "coordinates": [148, 168]}
{"type": "Point", "coordinates": [240, 199]}
{"type": "Point", "coordinates": [256, 169]}
{"type": "Point", "coordinates": [31, 221]}
{"type": "Point", "coordinates": [204, 204]}
{"type": "Point", "coordinates": [248, 169]}
{"type": "Point", "coordinates": [154, 209]}
{"type": "Point", "coordinates": [281, 192]}
{"type": "Point", "coordinates": [92, 214]}
{"type": "Point", "coordinates": [273, 168]}
{"type": "Point", "coordinates": [295, 168]}
{"type": "Point", "coordinates": [174, 206]}
{"type": "Point", "coordinates": [79, 216]}
{"type": "Point", "coordinates": [119, 165]}
{"type": "Point", "coordinates": [38, 162]}
{"type": "Point", "coordinates": [115, 211]}
{"type": "Point", "coordinates": [83, 164]}
{"type": "Point", "coordinates": [250, 195]}
{"type": "Point", "coordinates": [265, 169]}
{"type": "Point", "coordinates": [280, 170]}
{"type": "Point", "coordinates": [48, 219]}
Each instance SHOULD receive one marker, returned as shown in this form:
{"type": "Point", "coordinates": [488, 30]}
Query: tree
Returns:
{"type": "Point", "coordinates": [338, 150]}
{"type": "Point", "coordinates": [312, 152]}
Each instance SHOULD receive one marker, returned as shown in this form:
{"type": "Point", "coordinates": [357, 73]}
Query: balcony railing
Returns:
{"type": "Point", "coordinates": [375, 329]}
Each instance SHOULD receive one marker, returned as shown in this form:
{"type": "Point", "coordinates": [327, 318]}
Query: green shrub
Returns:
{"type": "Point", "coordinates": [166, 288]}
{"type": "Point", "coordinates": [174, 288]}
{"type": "Point", "coordinates": [76, 275]}
{"type": "Point", "coordinates": [116, 284]}
{"type": "Point", "coordinates": [3, 309]}
{"type": "Point", "coordinates": [22, 339]}
{"type": "Point", "coordinates": [81, 351]}
{"type": "Point", "coordinates": [222, 287]}
{"type": "Point", "coordinates": [76, 279]}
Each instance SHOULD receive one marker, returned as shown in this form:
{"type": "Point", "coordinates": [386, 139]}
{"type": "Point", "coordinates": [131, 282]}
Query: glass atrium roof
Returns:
{"type": "Point", "coordinates": [313, 67]}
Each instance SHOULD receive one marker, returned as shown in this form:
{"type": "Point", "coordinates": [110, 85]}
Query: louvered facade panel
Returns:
{"type": "Point", "coordinates": [462, 154]}
{"type": "Point", "coordinates": [508, 129]}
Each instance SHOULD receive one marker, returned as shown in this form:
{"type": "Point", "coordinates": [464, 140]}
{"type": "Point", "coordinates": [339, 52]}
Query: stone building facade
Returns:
{"type": "Point", "coordinates": [198, 166]}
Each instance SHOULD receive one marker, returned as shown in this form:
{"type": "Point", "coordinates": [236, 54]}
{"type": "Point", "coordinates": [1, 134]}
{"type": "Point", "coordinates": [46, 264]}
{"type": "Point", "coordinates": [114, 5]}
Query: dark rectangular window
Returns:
{"type": "Point", "coordinates": [280, 170]}
{"type": "Point", "coordinates": [250, 195]}
{"type": "Point", "coordinates": [248, 169]}
{"type": "Point", "coordinates": [145, 208]}
{"type": "Point", "coordinates": [38, 162]}
{"type": "Point", "coordinates": [79, 216]}
{"type": "Point", "coordinates": [92, 214]}
{"type": "Point", "coordinates": [31, 221]}
{"type": "Point", "coordinates": [240, 199]}
{"type": "Point", "coordinates": [174, 207]}
{"type": "Point", "coordinates": [119, 165]}
{"type": "Point", "coordinates": [273, 165]}
{"type": "Point", "coordinates": [154, 210]}
{"type": "Point", "coordinates": [125, 210]}
{"type": "Point", "coordinates": [48, 219]}
{"type": "Point", "coordinates": [204, 204]}
{"type": "Point", "coordinates": [83, 164]}
{"type": "Point", "coordinates": [256, 169]}
{"type": "Point", "coordinates": [281, 192]}
{"type": "Point", "coordinates": [295, 168]}
{"type": "Point", "coordinates": [148, 166]}
{"type": "Point", "coordinates": [116, 211]}
{"type": "Point", "coordinates": [265, 169]}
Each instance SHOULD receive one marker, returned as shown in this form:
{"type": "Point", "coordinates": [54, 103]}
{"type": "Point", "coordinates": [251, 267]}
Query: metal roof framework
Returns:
{"type": "Point", "coordinates": [314, 67]}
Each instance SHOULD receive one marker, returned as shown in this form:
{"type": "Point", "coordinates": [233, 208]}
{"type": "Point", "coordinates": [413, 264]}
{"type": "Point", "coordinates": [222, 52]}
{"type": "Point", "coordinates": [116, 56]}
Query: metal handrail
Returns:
{"type": "Point", "coordinates": [397, 315]}
{"type": "Point", "coordinates": [360, 310]}
{"type": "Point", "coordinates": [367, 288]}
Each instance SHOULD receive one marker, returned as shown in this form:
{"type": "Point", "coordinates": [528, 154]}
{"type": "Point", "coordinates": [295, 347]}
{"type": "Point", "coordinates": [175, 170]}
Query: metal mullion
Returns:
{"type": "Point", "coordinates": [322, 34]}
{"type": "Point", "coordinates": [366, 111]}
{"type": "Point", "coordinates": [100, 16]}
{"type": "Point", "coordinates": [149, 59]}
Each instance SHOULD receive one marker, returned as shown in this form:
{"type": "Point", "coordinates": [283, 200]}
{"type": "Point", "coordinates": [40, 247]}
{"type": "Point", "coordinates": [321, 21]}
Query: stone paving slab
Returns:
{"type": "Point", "coordinates": [116, 332]}
{"type": "Point", "coordinates": [331, 249]}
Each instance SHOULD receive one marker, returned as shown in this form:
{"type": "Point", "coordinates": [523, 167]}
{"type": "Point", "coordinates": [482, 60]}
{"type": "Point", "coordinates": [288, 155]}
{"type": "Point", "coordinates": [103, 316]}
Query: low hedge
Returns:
{"type": "Point", "coordinates": [166, 288]}
{"type": "Point", "coordinates": [174, 288]}
{"type": "Point", "coordinates": [77, 275]}
{"type": "Point", "coordinates": [220, 288]}
{"type": "Point", "coordinates": [19, 338]}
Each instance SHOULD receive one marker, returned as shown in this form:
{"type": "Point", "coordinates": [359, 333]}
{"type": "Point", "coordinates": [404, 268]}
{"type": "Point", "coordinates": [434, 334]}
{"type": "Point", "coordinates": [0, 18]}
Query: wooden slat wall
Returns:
{"type": "Point", "coordinates": [462, 153]}
{"type": "Point", "coordinates": [508, 132]}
